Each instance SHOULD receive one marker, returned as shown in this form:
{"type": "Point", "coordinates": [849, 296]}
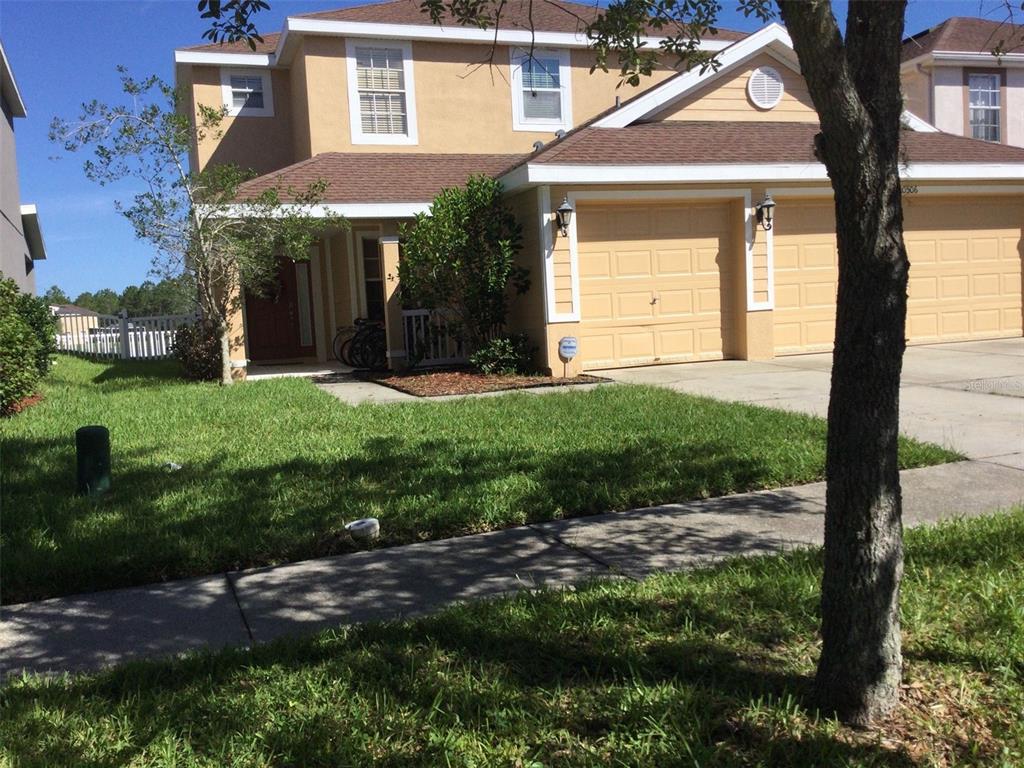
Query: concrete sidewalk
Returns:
{"type": "Point", "coordinates": [91, 631]}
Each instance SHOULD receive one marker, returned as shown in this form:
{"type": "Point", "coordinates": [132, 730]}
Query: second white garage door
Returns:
{"type": "Point", "coordinates": [655, 282]}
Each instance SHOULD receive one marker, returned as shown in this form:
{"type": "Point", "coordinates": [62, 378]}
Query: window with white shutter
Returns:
{"type": "Point", "coordinates": [540, 90]}
{"type": "Point", "coordinates": [246, 92]}
{"type": "Point", "coordinates": [380, 96]}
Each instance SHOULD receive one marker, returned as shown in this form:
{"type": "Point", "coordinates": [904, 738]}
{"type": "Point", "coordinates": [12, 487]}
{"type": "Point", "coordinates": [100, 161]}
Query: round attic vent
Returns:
{"type": "Point", "coordinates": [765, 87]}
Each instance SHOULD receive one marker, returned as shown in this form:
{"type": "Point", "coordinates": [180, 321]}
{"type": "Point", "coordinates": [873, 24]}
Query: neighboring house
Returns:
{"type": "Point", "coordinates": [668, 255]}
{"type": "Point", "coordinates": [74, 319]}
{"type": "Point", "coordinates": [21, 240]}
{"type": "Point", "coordinates": [954, 80]}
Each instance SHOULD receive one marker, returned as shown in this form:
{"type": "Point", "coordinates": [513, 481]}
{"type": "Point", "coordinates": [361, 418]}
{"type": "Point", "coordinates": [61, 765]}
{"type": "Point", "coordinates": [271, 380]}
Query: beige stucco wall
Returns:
{"type": "Point", "coordinates": [1015, 107]}
{"type": "Point", "coordinates": [725, 98]}
{"type": "Point", "coordinates": [917, 93]}
{"type": "Point", "coordinates": [463, 104]}
{"type": "Point", "coordinates": [948, 99]}
{"type": "Point", "coordinates": [261, 143]}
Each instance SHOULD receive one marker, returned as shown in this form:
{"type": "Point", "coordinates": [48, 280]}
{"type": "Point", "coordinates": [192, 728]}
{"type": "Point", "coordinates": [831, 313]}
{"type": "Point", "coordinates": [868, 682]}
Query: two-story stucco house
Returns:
{"type": "Point", "coordinates": [21, 240]}
{"type": "Point", "coordinates": [953, 78]}
{"type": "Point", "coordinates": [671, 253]}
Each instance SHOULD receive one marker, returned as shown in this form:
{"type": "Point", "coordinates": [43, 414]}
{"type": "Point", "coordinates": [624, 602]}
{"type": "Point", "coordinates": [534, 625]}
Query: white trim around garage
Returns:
{"type": "Point", "coordinates": [550, 173]}
{"type": "Point", "coordinates": [546, 220]}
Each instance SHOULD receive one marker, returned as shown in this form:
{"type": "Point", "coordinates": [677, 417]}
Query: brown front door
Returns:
{"type": "Point", "coordinates": [280, 326]}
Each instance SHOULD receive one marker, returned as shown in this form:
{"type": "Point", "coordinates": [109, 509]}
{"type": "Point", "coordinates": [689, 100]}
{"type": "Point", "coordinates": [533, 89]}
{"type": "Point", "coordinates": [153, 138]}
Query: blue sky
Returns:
{"type": "Point", "coordinates": [64, 53]}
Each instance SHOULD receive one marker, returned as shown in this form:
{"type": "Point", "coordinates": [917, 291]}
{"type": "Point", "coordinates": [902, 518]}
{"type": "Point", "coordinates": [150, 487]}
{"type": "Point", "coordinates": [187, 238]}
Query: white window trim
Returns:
{"type": "Point", "coordinates": [228, 100]}
{"type": "Point", "coordinates": [354, 114]}
{"type": "Point", "coordinates": [519, 120]}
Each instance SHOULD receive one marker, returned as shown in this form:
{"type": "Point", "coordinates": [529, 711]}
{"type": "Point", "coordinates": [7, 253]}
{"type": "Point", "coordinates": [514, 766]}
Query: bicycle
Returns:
{"type": "Point", "coordinates": [363, 345]}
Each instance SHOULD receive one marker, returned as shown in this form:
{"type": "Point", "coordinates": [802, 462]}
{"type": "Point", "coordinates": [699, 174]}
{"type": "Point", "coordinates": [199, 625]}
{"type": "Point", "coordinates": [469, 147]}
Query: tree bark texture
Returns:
{"type": "Point", "coordinates": [855, 85]}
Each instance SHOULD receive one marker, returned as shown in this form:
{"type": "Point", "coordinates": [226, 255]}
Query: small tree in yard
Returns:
{"type": "Point", "coordinates": [194, 219]}
{"type": "Point", "coordinates": [460, 259]}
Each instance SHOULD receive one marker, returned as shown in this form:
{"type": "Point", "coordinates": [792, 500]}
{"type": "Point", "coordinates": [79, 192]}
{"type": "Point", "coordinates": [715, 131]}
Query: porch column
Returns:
{"type": "Point", "coordinates": [393, 326]}
{"type": "Point", "coordinates": [237, 334]}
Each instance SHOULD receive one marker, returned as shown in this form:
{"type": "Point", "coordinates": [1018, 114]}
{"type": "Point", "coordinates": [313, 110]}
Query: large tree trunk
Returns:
{"type": "Point", "coordinates": [855, 86]}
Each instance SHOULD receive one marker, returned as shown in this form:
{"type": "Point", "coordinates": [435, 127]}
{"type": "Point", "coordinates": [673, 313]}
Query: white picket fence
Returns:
{"type": "Point", "coordinates": [112, 337]}
{"type": "Point", "coordinates": [427, 339]}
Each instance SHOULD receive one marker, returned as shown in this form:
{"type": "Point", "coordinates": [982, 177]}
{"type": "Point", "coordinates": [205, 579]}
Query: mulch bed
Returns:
{"type": "Point", "coordinates": [22, 404]}
{"type": "Point", "coordinates": [437, 383]}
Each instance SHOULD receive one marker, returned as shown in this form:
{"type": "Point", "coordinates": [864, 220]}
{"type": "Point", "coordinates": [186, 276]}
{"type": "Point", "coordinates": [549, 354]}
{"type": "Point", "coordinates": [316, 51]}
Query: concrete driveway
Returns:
{"type": "Point", "coordinates": [967, 396]}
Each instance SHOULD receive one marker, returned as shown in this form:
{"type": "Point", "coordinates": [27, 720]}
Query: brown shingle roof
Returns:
{"type": "Point", "coordinates": [547, 16]}
{"type": "Point", "coordinates": [372, 177]}
{"type": "Point", "coordinates": [680, 142]}
{"type": "Point", "coordinates": [964, 34]}
{"type": "Point", "coordinates": [268, 45]}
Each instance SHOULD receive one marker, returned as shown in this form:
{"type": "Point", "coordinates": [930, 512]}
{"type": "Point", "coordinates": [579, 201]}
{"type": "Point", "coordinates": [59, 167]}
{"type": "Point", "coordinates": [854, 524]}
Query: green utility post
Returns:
{"type": "Point", "coordinates": [92, 448]}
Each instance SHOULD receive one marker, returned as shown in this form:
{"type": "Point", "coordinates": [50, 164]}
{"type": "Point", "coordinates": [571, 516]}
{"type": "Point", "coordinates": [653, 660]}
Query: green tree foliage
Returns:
{"type": "Point", "coordinates": [170, 296]}
{"type": "Point", "coordinates": [55, 295]}
{"type": "Point", "coordinates": [460, 259]}
{"type": "Point", "coordinates": [202, 225]}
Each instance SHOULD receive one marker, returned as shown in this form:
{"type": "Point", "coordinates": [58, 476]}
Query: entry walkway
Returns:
{"type": "Point", "coordinates": [241, 608]}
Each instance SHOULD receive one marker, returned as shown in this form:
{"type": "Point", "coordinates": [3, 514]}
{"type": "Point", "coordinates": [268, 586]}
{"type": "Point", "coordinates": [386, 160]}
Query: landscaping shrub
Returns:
{"type": "Point", "coordinates": [504, 355]}
{"type": "Point", "coordinates": [197, 347]}
{"type": "Point", "coordinates": [460, 259]}
{"type": "Point", "coordinates": [43, 324]}
{"type": "Point", "coordinates": [19, 347]}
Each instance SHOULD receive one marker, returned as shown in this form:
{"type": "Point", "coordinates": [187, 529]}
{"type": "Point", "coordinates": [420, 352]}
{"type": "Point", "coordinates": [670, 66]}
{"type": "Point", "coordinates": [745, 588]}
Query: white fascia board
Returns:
{"type": "Point", "coordinates": [224, 59]}
{"type": "Point", "coordinates": [675, 88]}
{"type": "Point", "coordinates": [347, 210]}
{"type": "Point", "coordinates": [543, 173]}
{"type": "Point", "coordinates": [33, 232]}
{"type": "Point", "coordinates": [915, 123]}
{"type": "Point", "coordinates": [453, 34]}
{"type": "Point", "coordinates": [984, 59]}
{"type": "Point", "coordinates": [13, 95]}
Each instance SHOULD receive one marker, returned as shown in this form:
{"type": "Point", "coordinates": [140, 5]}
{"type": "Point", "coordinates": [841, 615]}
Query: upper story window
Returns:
{"type": "Point", "coordinates": [541, 92]}
{"type": "Point", "coordinates": [381, 97]}
{"type": "Point", "coordinates": [984, 105]}
{"type": "Point", "coordinates": [247, 93]}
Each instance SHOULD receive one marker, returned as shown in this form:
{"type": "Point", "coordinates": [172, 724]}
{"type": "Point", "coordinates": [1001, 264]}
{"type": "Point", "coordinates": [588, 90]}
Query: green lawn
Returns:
{"type": "Point", "coordinates": [708, 668]}
{"type": "Point", "coordinates": [272, 470]}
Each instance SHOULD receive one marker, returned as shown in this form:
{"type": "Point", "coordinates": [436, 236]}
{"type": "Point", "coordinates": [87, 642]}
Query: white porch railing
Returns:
{"type": "Point", "coordinates": [111, 337]}
{"type": "Point", "coordinates": [427, 339]}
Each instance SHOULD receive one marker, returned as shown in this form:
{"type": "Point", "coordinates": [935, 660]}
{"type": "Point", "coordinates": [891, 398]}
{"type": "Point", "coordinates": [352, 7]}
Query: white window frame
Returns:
{"type": "Point", "coordinates": [997, 109]}
{"type": "Point", "coordinates": [354, 112]}
{"type": "Point", "coordinates": [227, 96]}
{"type": "Point", "coordinates": [519, 120]}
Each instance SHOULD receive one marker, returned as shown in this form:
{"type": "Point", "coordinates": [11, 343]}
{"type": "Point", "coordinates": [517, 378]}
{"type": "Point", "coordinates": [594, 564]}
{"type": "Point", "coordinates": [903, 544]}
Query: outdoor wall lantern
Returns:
{"type": "Point", "coordinates": [564, 216]}
{"type": "Point", "coordinates": [764, 212]}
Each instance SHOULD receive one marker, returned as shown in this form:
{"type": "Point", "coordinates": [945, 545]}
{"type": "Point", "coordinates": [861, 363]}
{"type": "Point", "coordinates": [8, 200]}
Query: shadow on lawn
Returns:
{"type": "Point", "coordinates": [529, 672]}
{"type": "Point", "coordinates": [139, 373]}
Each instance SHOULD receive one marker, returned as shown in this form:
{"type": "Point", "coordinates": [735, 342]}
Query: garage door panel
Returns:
{"type": "Point", "coordinates": [634, 305]}
{"type": "Point", "coordinates": [965, 272]}
{"type": "Point", "coordinates": [632, 264]}
{"type": "Point", "coordinates": [662, 300]}
{"type": "Point", "coordinates": [674, 262]}
{"type": "Point", "coordinates": [675, 303]}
